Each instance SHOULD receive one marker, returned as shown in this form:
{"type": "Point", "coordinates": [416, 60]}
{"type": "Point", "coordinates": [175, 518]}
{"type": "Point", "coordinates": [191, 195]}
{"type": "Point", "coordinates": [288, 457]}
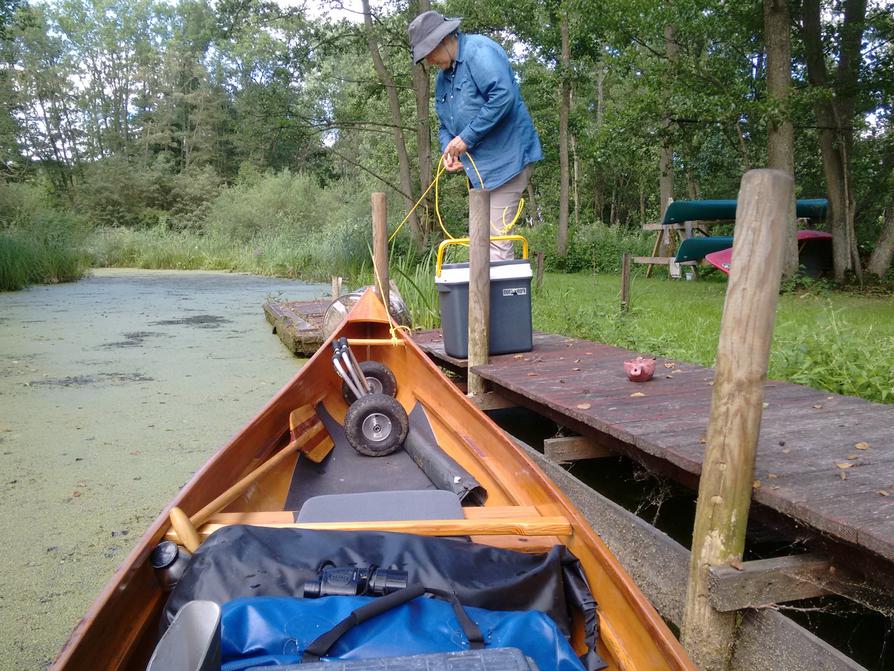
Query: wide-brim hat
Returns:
{"type": "Point", "coordinates": [426, 32]}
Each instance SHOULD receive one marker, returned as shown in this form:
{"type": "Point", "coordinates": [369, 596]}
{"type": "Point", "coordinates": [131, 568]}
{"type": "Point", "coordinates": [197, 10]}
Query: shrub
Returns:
{"type": "Point", "coordinates": [591, 247]}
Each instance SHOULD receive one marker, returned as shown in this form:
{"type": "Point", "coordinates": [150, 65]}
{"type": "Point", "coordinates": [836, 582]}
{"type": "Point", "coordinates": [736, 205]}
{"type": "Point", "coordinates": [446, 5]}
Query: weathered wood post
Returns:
{"type": "Point", "coordinates": [538, 270]}
{"type": "Point", "coordinates": [746, 330]}
{"type": "Point", "coordinates": [336, 286]}
{"type": "Point", "coordinates": [380, 246]}
{"type": "Point", "coordinates": [479, 285]}
{"type": "Point", "coordinates": [625, 282]}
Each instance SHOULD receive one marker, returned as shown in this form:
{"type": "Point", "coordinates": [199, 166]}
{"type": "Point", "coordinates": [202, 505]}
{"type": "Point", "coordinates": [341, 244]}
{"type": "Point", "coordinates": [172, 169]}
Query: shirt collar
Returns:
{"type": "Point", "coordinates": [460, 41]}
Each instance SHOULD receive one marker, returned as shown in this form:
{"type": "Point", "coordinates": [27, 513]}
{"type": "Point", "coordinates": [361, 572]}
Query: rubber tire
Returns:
{"type": "Point", "coordinates": [364, 408]}
{"type": "Point", "coordinates": [376, 371]}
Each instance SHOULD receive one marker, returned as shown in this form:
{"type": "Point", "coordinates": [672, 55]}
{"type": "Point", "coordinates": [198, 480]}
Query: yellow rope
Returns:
{"type": "Point", "coordinates": [441, 169]}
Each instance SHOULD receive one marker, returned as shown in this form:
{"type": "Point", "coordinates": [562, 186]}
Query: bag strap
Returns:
{"type": "Point", "coordinates": [320, 646]}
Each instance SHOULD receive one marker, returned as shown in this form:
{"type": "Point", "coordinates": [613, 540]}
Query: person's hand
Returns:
{"type": "Point", "coordinates": [452, 164]}
{"type": "Point", "coordinates": [454, 149]}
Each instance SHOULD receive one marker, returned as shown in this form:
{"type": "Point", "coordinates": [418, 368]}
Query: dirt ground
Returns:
{"type": "Point", "coordinates": [113, 391]}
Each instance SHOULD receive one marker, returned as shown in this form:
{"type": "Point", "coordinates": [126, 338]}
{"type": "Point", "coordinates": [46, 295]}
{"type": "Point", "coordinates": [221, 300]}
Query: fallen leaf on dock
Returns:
{"type": "Point", "coordinates": [884, 492]}
{"type": "Point", "coordinates": [842, 475]}
{"type": "Point", "coordinates": [736, 564]}
{"type": "Point", "coordinates": [519, 356]}
{"type": "Point", "coordinates": [861, 446]}
{"type": "Point", "coordinates": [532, 374]}
{"type": "Point", "coordinates": [844, 465]}
{"type": "Point", "coordinates": [818, 406]}
{"type": "Point", "coordinates": [637, 394]}
{"type": "Point", "coordinates": [670, 364]}
{"type": "Point", "coordinates": [583, 406]}
{"type": "Point", "coordinates": [853, 456]}
{"type": "Point", "coordinates": [772, 476]}
{"type": "Point", "coordinates": [703, 440]}
{"type": "Point", "coordinates": [575, 369]}
{"type": "Point", "coordinates": [766, 405]}
{"type": "Point", "coordinates": [756, 484]}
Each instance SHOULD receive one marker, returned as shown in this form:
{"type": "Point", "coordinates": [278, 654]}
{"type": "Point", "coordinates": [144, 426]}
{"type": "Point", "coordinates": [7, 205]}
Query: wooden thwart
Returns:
{"type": "Point", "coordinates": [520, 526]}
{"type": "Point", "coordinates": [573, 448]}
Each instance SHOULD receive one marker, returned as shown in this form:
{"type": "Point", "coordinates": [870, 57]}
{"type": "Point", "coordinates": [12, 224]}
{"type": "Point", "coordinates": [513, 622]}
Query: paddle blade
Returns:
{"type": "Point", "coordinates": [309, 433]}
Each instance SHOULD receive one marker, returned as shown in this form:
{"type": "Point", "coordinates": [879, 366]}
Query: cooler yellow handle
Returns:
{"type": "Point", "coordinates": [465, 241]}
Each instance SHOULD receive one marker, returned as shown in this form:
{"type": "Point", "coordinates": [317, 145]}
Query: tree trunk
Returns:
{"type": "Point", "coordinates": [781, 133]}
{"type": "Point", "coordinates": [403, 158]}
{"type": "Point", "coordinates": [666, 159]}
{"type": "Point", "coordinates": [575, 172]}
{"type": "Point", "coordinates": [564, 106]}
{"type": "Point", "coordinates": [834, 117]}
{"type": "Point", "coordinates": [533, 211]}
{"type": "Point", "coordinates": [880, 261]}
{"type": "Point", "coordinates": [422, 88]}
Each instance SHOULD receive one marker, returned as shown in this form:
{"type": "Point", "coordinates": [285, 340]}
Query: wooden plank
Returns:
{"type": "Point", "coordinates": [653, 260]}
{"type": "Point", "coordinates": [491, 400]}
{"type": "Point", "coordinates": [573, 448]}
{"type": "Point", "coordinates": [764, 582]}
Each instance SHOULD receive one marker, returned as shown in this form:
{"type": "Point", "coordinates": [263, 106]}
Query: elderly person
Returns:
{"type": "Point", "coordinates": [482, 113]}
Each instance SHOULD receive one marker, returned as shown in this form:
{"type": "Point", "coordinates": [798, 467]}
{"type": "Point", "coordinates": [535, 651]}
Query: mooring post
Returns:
{"type": "Point", "coordinates": [479, 285]}
{"type": "Point", "coordinates": [336, 286]}
{"type": "Point", "coordinates": [538, 270]}
{"type": "Point", "coordinates": [380, 246]}
{"type": "Point", "coordinates": [625, 282]}
{"type": "Point", "coordinates": [746, 330]}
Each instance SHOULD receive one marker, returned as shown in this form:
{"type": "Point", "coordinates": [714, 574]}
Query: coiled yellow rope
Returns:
{"type": "Point", "coordinates": [441, 169]}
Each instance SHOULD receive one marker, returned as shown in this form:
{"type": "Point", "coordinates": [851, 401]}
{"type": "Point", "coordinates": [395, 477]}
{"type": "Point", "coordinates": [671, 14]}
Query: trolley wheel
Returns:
{"type": "Point", "coordinates": [376, 425]}
{"type": "Point", "coordinates": [379, 378]}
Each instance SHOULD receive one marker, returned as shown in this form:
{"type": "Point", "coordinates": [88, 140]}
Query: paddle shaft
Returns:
{"type": "Point", "coordinates": [235, 491]}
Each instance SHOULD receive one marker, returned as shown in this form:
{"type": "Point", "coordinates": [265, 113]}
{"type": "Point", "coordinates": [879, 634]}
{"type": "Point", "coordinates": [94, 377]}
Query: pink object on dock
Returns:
{"type": "Point", "coordinates": [639, 369]}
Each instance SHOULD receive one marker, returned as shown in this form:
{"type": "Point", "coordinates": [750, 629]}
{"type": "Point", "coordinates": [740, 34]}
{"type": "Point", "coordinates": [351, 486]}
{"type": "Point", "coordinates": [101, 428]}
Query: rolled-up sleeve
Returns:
{"type": "Point", "coordinates": [492, 75]}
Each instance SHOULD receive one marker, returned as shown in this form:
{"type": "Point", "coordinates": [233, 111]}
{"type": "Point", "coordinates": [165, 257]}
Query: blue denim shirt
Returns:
{"type": "Point", "coordinates": [478, 99]}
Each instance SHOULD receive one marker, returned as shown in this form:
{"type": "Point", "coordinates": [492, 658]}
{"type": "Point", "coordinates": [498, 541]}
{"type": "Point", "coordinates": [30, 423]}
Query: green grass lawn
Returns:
{"type": "Point", "coordinates": [839, 342]}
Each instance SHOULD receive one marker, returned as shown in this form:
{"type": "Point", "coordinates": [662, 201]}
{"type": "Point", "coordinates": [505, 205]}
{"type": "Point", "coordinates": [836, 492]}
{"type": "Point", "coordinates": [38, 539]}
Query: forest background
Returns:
{"type": "Point", "coordinates": [248, 135]}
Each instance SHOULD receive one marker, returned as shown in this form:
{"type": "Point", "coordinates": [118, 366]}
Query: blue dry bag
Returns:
{"type": "Point", "coordinates": [261, 631]}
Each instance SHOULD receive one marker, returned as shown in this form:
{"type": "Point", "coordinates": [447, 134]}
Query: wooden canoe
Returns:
{"type": "Point", "coordinates": [524, 510]}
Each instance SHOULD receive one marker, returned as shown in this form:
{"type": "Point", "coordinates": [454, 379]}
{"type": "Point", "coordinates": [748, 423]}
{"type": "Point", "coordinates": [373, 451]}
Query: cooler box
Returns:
{"type": "Point", "coordinates": [510, 307]}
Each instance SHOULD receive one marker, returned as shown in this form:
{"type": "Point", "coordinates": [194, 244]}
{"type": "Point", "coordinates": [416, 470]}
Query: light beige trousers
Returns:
{"type": "Point", "coordinates": [503, 206]}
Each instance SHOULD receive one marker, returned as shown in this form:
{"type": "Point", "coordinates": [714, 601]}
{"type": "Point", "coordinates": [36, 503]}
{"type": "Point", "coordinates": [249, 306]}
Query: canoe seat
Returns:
{"type": "Point", "coordinates": [379, 506]}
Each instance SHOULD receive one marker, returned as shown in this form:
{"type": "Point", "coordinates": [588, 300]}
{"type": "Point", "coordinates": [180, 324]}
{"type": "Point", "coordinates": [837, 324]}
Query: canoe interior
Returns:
{"type": "Point", "coordinates": [121, 628]}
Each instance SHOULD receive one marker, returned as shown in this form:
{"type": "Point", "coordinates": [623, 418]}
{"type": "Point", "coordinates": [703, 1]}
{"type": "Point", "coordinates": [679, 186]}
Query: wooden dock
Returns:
{"type": "Point", "coordinates": [825, 462]}
{"type": "Point", "coordinates": [299, 324]}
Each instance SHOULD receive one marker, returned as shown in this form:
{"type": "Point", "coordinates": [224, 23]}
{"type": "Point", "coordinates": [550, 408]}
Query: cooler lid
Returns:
{"type": "Point", "coordinates": [458, 273]}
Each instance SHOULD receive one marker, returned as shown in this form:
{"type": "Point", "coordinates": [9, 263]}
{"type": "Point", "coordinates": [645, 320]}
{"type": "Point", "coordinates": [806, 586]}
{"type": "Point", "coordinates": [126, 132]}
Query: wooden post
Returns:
{"type": "Point", "coordinates": [538, 270]}
{"type": "Point", "coordinates": [625, 282]}
{"type": "Point", "coordinates": [380, 247]}
{"type": "Point", "coordinates": [336, 286]}
{"type": "Point", "coordinates": [746, 330]}
{"type": "Point", "coordinates": [479, 285]}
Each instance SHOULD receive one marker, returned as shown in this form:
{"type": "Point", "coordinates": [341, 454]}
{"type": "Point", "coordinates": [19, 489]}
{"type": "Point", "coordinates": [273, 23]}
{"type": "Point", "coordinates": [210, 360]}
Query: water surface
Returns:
{"type": "Point", "coordinates": [113, 391]}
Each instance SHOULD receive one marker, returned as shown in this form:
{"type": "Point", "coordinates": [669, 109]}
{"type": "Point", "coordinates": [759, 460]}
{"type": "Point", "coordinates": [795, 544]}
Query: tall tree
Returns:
{"type": "Point", "coordinates": [403, 156]}
{"type": "Point", "coordinates": [835, 107]}
{"type": "Point", "coordinates": [781, 132]}
{"type": "Point", "coordinates": [564, 110]}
